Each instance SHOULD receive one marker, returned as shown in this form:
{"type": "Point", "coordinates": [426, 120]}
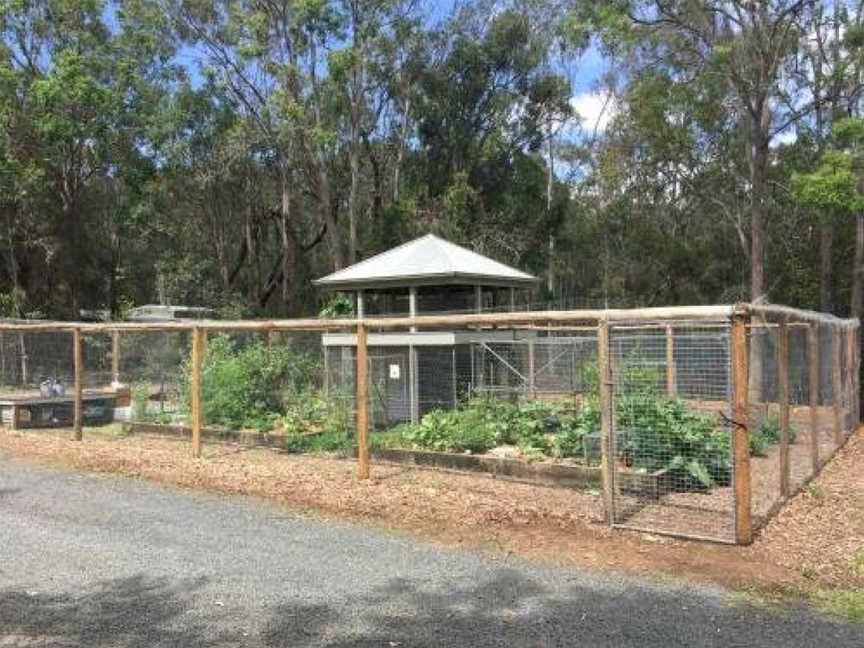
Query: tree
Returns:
{"type": "Point", "coordinates": [836, 188]}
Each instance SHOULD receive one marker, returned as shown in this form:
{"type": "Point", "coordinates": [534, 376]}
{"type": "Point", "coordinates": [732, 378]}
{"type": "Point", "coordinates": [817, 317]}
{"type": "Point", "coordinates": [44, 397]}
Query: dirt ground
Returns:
{"type": "Point", "coordinates": [816, 541]}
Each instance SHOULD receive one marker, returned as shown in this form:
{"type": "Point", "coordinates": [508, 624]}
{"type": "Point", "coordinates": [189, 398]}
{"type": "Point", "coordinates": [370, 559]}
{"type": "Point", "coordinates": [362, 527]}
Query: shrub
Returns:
{"type": "Point", "coordinates": [570, 441]}
{"type": "Point", "coordinates": [310, 411]}
{"type": "Point", "coordinates": [246, 387]}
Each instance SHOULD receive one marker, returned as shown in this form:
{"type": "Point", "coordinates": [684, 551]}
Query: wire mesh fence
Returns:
{"type": "Point", "coordinates": [802, 405]}
{"type": "Point", "coordinates": [642, 410]}
{"type": "Point", "coordinates": [671, 452]}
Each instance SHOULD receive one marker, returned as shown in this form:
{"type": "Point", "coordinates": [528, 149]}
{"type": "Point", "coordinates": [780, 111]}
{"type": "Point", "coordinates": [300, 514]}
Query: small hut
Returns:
{"type": "Point", "coordinates": [413, 372]}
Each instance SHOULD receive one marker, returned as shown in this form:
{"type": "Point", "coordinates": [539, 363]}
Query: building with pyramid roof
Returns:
{"type": "Point", "coordinates": [428, 275]}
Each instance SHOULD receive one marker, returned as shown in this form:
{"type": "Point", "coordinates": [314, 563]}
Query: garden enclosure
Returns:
{"type": "Point", "coordinates": [693, 421]}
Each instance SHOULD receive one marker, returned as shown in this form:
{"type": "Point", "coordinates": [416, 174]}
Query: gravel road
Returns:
{"type": "Point", "coordinates": [89, 560]}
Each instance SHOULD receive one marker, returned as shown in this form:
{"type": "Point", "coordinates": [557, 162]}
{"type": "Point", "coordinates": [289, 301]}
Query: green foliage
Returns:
{"type": "Point", "coordinates": [537, 428]}
{"type": "Point", "coordinates": [663, 433]}
{"type": "Point", "coordinates": [140, 396]}
{"type": "Point", "coordinates": [311, 412]}
{"type": "Point", "coordinates": [768, 433]}
{"type": "Point", "coordinates": [337, 305]}
{"type": "Point", "coordinates": [310, 443]}
{"type": "Point", "coordinates": [140, 406]}
{"type": "Point", "coordinates": [247, 386]}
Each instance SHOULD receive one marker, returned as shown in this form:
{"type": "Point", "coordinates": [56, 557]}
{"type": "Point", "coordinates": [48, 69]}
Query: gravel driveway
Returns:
{"type": "Point", "coordinates": [89, 560]}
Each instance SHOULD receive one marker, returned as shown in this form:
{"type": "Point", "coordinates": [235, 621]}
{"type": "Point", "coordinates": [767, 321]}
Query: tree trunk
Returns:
{"type": "Point", "coordinates": [353, 195]}
{"type": "Point", "coordinates": [287, 239]}
{"type": "Point", "coordinates": [550, 174]}
{"type": "Point", "coordinates": [826, 245]}
{"type": "Point", "coordinates": [758, 187]}
{"type": "Point", "coordinates": [759, 140]}
{"type": "Point", "coordinates": [319, 159]}
{"type": "Point", "coordinates": [400, 149]}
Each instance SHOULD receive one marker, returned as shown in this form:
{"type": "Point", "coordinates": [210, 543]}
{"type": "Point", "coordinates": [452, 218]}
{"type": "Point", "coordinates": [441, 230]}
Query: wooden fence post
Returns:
{"type": "Point", "coordinates": [813, 361]}
{"type": "Point", "coordinates": [362, 401]}
{"type": "Point", "coordinates": [848, 383]}
{"type": "Point", "coordinates": [532, 368]}
{"type": "Point", "coordinates": [115, 358]}
{"type": "Point", "coordinates": [783, 397]}
{"type": "Point", "coordinates": [197, 416]}
{"type": "Point", "coordinates": [740, 434]}
{"type": "Point", "coordinates": [856, 377]}
{"type": "Point", "coordinates": [607, 443]}
{"type": "Point", "coordinates": [671, 374]}
{"type": "Point", "coordinates": [78, 362]}
{"type": "Point", "coordinates": [836, 386]}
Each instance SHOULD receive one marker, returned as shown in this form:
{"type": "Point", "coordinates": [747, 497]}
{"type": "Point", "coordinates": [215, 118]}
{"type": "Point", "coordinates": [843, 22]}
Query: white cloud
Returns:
{"type": "Point", "coordinates": [594, 109]}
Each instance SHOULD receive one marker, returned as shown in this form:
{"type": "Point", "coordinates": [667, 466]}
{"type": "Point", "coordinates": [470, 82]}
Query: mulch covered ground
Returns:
{"type": "Point", "coordinates": [816, 541]}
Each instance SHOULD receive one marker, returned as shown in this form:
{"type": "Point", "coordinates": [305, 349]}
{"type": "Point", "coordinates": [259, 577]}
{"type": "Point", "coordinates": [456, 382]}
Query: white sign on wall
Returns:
{"type": "Point", "coordinates": [394, 372]}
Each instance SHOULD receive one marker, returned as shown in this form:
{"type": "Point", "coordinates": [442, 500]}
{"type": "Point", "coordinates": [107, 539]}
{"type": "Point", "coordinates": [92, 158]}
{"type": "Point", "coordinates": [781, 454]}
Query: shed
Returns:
{"type": "Point", "coordinates": [424, 276]}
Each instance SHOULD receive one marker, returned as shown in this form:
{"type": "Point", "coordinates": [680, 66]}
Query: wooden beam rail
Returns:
{"type": "Point", "coordinates": [700, 314]}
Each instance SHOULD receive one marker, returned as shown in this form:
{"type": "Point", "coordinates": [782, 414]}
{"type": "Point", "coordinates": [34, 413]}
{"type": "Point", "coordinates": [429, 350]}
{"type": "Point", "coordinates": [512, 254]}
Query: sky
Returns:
{"type": "Point", "coordinates": [584, 73]}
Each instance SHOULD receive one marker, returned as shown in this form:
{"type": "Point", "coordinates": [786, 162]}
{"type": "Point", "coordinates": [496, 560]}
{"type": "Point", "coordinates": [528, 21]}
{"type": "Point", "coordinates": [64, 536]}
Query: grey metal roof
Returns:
{"type": "Point", "coordinates": [428, 260]}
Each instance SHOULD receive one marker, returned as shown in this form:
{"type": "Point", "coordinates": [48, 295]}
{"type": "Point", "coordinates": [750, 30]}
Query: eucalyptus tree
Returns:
{"type": "Point", "coordinates": [836, 188]}
{"type": "Point", "coordinates": [78, 78]}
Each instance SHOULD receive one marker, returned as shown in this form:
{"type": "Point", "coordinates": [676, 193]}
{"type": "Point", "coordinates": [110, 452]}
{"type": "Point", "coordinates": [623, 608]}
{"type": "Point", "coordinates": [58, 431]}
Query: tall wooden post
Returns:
{"type": "Point", "coordinates": [856, 377]}
{"type": "Point", "coordinates": [813, 361]}
{"type": "Point", "coordinates": [532, 368]}
{"type": "Point", "coordinates": [671, 377]}
{"type": "Point", "coordinates": [848, 381]}
{"type": "Point", "coordinates": [197, 415]}
{"type": "Point", "coordinates": [783, 398]}
{"type": "Point", "coordinates": [740, 435]}
{"type": "Point", "coordinates": [115, 358]}
{"type": "Point", "coordinates": [78, 363]}
{"type": "Point", "coordinates": [362, 404]}
{"type": "Point", "coordinates": [836, 386]}
{"type": "Point", "coordinates": [607, 444]}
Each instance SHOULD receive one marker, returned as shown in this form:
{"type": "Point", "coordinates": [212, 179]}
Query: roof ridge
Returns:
{"type": "Point", "coordinates": [378, 254]}
{"type": "Point", "coordinates": [427, 255]}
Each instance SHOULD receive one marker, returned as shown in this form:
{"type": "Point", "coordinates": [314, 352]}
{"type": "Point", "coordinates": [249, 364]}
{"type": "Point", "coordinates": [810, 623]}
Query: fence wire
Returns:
{"type": "Point", "coordinates": [671, 447]}
{"type": "Point", "coordinates": [815, 361]}
{"type": "Point", "coordinates": [527, 393]}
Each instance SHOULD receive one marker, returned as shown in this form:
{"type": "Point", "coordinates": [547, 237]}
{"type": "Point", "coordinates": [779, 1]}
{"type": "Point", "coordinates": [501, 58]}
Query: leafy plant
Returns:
{"type": "Point", "coordinates": [768, 433]}
{"type": "Point", "coordinates": [248, 386]}
{"type": "Point", "coordinates": [663, 433]}
{"type": "Point", "coordinates": [482, 424]}
{"type": "Point", "coordinates": [140, 396]}
{"type": "Point", "coordinates": [311, 411]}
{"type": "Point", "coordinates": [338, 305]}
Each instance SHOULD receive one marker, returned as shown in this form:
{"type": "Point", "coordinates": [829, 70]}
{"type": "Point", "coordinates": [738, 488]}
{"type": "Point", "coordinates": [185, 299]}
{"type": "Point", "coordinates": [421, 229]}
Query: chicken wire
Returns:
{"type": "Point", "coordinates": [671, 443]}
{"type": "Point", "coordinates": [817, 429]}
{"type": "Point", "coordinates": [673, 369]}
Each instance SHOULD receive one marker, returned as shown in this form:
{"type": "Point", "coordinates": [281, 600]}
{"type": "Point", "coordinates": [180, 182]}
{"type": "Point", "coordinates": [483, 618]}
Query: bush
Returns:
{"type": "Point", "coordinates": [570, 441]}
{"type": "Point", "coordinates": [310, 412]}
{"type": "Point", "coordinates": [246, 387]}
